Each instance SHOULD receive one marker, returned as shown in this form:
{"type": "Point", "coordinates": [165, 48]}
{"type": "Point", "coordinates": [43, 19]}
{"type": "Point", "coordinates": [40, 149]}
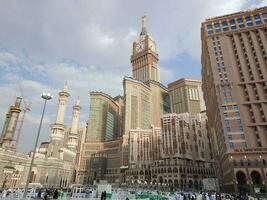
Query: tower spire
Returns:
{"type": "Point", "coordinates": [77, 102]}
{"type": "Point", "coordinates": [65, 88]}
{"type": "Point", "coordinates": [144, 31]}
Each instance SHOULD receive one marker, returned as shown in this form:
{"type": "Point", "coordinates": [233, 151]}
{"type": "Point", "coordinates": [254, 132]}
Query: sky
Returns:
{"type": "Point", "coordinates": [43, 44]}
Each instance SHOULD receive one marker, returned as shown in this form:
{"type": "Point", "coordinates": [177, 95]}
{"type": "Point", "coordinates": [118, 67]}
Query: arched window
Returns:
{"type": "Point", "coordinates": [256, 178]}
{"type": "Point", "coordinates": [241, 178]}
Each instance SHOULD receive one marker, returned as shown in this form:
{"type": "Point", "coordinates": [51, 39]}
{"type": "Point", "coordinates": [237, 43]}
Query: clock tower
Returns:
{"type": "Point", "coordinates": [144, 57]}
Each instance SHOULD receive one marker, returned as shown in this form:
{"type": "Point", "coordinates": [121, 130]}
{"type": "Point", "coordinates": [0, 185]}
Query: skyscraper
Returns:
{"type": "Point", "coordinates": [146, 99]}
{"type": "Point", "coordinates": [186, 96]}
{"type": "Point", "coordinates": [234, 76]}
{"type": "Point", "coordinates": [104, 118]}
{"type": "Point", "coordinates": [100, 152]}
{"type": "Point", "coordinates": [145, 58]}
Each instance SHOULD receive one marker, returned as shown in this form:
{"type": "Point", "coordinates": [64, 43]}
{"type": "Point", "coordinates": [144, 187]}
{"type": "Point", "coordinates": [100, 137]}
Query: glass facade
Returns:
{"type": "Point", "coordinates": [103, 120]}
{"type": "Point", "coordinates": [95, 125]}
{"type": "Point", "coordinates": [110, 127]}
{"type": "Point", "coordinates": [145, 111]}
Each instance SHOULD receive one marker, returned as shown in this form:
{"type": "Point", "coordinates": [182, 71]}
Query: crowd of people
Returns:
{"type": "Point", "coordinates": [131, 194]}
{"type": "Point", "coordinates": [56, 194]}
{"type": "Point", "coordinates": [215, 196]}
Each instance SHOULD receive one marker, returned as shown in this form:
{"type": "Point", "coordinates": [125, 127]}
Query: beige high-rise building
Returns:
{"type": "Point", "coordinates": [146, 99]}
{"type": "Point", "coordinates": [186, 96]}
{"type": "Point", "coordinates": [106, 149]}
{"type": "Point", "coordinates": [234, 76]}
{"type": "Point", "coordinates": [177, 155]}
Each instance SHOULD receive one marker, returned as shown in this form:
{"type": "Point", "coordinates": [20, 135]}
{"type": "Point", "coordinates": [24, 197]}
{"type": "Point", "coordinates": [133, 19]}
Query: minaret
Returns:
{"type": "Point", "coordinates": [58, 128]}
{"type": "Point", "coordinates": [73, 135]}
{"type": "Point", "coordinates": [10, 124]}
{"type": "Point", "coordinates": [145, 58]}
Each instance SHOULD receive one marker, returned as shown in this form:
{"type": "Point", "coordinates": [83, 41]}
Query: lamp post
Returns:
{"type": "Point", "coordinates": [46, 97]}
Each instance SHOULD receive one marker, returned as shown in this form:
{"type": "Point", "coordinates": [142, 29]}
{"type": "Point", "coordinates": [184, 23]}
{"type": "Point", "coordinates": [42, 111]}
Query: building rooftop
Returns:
{"type": "Point", "coordinates": [102, 93]}
{"type": "Point", "coordinates": [182, 80]}
{"type": "Point", "coordinates": [237, 14]}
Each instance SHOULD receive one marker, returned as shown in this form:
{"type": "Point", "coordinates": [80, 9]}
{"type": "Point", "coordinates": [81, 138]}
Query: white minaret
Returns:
{"type": "Point", "coordinates": [63, 98]}
{"type": "Point", "coordinates": [58, 129]}
{"type": "Point", "coordinates": [73, 135]}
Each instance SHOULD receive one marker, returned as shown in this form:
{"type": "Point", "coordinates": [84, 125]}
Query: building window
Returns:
{"type": "Point", "coordinates": [233, 27]}
{"type": "Point", "coordinates": [248, 19]}
{"type": "Point", "coordinates": [232, 22]}
{"type": "Point", "coordinates": [240, 128]}
{"type": "Point", "coordinates": [237, 114]}
{"type": "Point", "coordinates": [242, 136]}
{"type": "Point", "coordinates": [226, 122]}
{"type": "Point", "coordinates": [244, 145]}
{"type": "Point", "coordinates": [258, 22]}
{"type": "Point", "coordinates": [218, 30]}
{"type": "Point", "coordinates": [264, 15]}
{"type": "Point", "coordinates": [217, 25]}
{"type": "Point", "coordinates": [241, 25]}
{"type": "Point", "coordinates": [235, 107]}
{"type": "Point", "coordinates": [224, 23]}
{"type": "Point", "coordinates": [239, 20]}
{"type": "Point", "coordinates": [228, 129]}
{"type": "Point", "coordinates": [210, 32]}
{"type": "Point", "coordinates": [230, 137]}
{"type": "Point", "coordinates": [249, 24]}
{"type": "Point", "coordinates": [256, 17]}
{"type": "Point", "coordinates": [231, 145]}
{"type": "Point", "coordinates": [225, 29]}
{"type": "Point", "coordinates": [209, 26]}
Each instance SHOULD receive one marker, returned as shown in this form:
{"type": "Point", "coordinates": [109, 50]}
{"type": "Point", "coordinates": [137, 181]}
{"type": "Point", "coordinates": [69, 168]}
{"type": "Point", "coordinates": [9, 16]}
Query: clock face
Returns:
{"type": "Point", "coordinates": [152, 47]}
{"type": "Point", "coordinates": [140, 46]}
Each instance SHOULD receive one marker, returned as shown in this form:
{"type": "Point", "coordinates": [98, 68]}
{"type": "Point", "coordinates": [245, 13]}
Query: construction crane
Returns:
{"type": "Point", "coordinates": [21, 121]}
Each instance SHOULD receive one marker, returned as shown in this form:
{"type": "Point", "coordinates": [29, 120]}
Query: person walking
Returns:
{"type": "Point", "coordinates": [46, 195]}
{"type": "Point", "coordinates": [55, 195]}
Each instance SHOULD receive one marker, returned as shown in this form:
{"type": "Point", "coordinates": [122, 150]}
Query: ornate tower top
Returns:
{"type": "Point", "coordinates": [144, 58]}
{"type": "Point", "coordinates": [144, 31]}
{"type": "Point", "coordinates": [77, 102]}
{"type": "Point", "coordinates": [65, 88]}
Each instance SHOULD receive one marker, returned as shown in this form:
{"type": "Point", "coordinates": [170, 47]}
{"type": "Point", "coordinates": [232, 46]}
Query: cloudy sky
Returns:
{"type": "Point", "coordinates": [88, 43]}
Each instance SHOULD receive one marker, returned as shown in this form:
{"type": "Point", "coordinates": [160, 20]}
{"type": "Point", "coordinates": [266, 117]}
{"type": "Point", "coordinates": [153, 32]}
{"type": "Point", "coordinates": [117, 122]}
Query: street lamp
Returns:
{"type": "Point", "coordinates": [46, 97]}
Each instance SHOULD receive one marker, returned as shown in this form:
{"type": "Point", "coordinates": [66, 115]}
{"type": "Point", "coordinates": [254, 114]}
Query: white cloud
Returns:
{"type": "Point", "coordinates": [101, 32]}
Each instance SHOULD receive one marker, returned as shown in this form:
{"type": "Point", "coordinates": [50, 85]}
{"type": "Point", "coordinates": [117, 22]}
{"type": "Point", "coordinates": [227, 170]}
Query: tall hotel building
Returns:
{"type": "Point", "coordinates": [234, 76]}
{"type": "Point", "coordinates": [186, 96]}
